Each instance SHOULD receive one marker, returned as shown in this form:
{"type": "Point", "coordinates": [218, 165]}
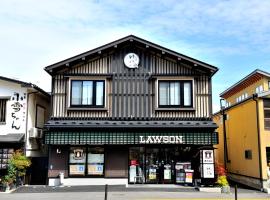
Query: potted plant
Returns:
{"type": "Point", "coordinates": [17, 166]}
{"type": "Point", "coordinates": [222, 179]}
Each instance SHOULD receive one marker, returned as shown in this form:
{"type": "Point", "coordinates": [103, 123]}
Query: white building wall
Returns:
{"type": "Point", "coordinates": [16, 108]}
{"type": "Point", "coordinates": [21, 114]}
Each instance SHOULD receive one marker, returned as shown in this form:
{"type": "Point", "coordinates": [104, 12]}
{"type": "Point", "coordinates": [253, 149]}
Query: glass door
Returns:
{"type": "Point", "coordinates": [152, 165]}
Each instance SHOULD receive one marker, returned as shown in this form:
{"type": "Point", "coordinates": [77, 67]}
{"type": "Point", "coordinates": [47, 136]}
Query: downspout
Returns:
{"type": "Point", "coordinates": [255, 98]}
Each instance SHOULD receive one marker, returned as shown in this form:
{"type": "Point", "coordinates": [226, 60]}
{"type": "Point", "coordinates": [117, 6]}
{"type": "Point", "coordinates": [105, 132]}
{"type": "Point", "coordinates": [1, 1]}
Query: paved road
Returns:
{"type": "Point", "coordinates": [122, 193]}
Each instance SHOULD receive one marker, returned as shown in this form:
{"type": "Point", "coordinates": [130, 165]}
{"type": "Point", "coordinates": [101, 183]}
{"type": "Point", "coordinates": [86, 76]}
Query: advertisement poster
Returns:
{"type": "Point", "coordinates": [152, 174]}
{"type": "Point", "coordinates": [208, 156]}
{"type": "Point", "coordinates": [132, 173]}
{"type": "Point", "coordinates": [95, 169]}
{"type": "Point", "coordinates": [188, 177]}
{"type": "Point", "coordinates": [95, 158]}
{"type": "Point", "coordinates": [167, 174]}
{"type": "Point", "coordinates": [208, 171]}
{"type": "Point", "coordinates": [76, 169]}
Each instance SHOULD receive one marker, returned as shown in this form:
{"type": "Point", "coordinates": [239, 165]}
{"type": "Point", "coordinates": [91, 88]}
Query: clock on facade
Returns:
{"type": "Point", "coordinates": [131, 60]}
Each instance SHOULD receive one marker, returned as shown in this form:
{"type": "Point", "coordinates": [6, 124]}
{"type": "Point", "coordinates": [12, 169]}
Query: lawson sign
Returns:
{"type": "Point", "coordinates": [161, 140]}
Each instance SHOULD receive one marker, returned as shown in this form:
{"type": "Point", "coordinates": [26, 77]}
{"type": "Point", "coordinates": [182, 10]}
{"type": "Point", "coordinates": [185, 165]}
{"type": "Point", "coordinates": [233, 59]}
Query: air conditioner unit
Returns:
{"type": "Point", "coordinates": [35, 133]}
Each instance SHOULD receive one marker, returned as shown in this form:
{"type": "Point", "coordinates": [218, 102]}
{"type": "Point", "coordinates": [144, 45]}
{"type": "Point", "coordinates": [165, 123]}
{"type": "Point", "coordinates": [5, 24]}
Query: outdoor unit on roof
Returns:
{"type": "Point", "coordinates": [35, 133]}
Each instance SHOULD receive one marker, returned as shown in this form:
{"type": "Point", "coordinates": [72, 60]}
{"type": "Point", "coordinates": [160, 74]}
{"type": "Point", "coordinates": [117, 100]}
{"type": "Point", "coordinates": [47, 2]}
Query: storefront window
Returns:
{"type": "Point", "coordinates": [95, 161]}
{"type": "Point", "coordinates": [77, 158]}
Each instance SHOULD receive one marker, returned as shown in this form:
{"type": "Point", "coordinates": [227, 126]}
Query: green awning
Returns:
{"type": "Point", "coordinates": [112, 138]}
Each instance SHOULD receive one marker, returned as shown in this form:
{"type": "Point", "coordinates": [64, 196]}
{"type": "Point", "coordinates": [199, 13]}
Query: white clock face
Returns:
{"type": "Point", "coordinates": [131, 60]}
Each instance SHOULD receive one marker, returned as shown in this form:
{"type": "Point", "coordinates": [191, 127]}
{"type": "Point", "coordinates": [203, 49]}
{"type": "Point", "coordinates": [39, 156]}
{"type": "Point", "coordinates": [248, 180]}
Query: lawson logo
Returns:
{"type": "Point", "coordinates": [161, 139]}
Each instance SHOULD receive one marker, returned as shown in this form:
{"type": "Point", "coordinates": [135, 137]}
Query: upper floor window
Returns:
{"type": "Point", "coordinates": [175, 94]}
{"type": "Point", "coordinates": [3, 110]}
{"type": "Point", "coordinates": [87, 93]}
{"type": "Point", "coordinates": [259, 89]}
{"type": "Point", "coordinates": [266, 105]}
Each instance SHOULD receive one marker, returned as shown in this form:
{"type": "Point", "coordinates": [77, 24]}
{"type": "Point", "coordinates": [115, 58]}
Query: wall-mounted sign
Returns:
{"type": "Point", "coordinates": [78, 154]}
{"type": "Point", "coordinates": [161, 139]}
{"type": "Point", "coordinates": [16, 112]}
{"type": "Point", "coordinates": [131, 60]}
{"type": "Point", "coordinates": [208, 171]}
{"type": "Point", "coordinates": [208, 156]}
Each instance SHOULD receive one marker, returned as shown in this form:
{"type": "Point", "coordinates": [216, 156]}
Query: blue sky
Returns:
{"type": "Point", "coordinates": [232, 35]}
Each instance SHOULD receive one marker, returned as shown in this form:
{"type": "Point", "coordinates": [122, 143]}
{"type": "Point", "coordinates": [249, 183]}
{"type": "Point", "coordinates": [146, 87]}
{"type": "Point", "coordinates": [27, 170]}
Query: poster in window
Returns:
{"type": "Point", "coordinates": [152, 174]}
{"type": "Point", "coordinates": [132, 173]}
{"type": "Point", "coordinates": [95, 169]}
{"type": "Point", "coordinates": [95, 158]}
{"type": "Point", "coordinates": [167, 174]}
{"type": "Point", "coordinates": [208, 171]}
{"type": "Point", "coordinates": [208, 156]}
{"type": "Point", "coordinates": [76, 169]}
{"type": "Point", "coordinates": [77, 156]}
{"type": "Point", "coordinates": [189, 176]}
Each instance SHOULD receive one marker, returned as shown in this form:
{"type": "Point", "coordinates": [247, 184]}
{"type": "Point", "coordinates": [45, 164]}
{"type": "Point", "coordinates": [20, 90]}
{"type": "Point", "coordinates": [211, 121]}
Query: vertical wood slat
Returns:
{"type": "Point", "coordinates": [130, 91]}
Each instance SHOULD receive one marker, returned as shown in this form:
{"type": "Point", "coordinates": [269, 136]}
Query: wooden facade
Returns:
{"type": "Point", "coordinates": [132, 93]}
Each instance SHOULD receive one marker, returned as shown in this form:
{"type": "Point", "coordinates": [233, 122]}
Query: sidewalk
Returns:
{"type": "Point", "coordinates": [123, 193]}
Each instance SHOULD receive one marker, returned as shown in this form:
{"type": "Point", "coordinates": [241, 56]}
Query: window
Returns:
{"type": "Point", "coordinates": [77, 158]}
{"type": "Point", "coordinates": [86, 161]}
{"type": "Point", "coordinates": [268, 85]}
{"type": "Point", "coordinates": [248, 154]}
{"type": "Point", "coordinates": [268, 155]}
{"type": "Point", "coordinates": [95, 161]}
{"type": "Point", "coordinates": [266, 105]}
{"type": "Point", "coordinates": [175, 94]}
{"type": "Point", "coordinates": [86, 93]}
{"type": "Point", "coordinates": [3, 110]}
{"type": "Point", "coordinates": [259, 89]}
{"type": "Point", "coordinates": [40, 116]}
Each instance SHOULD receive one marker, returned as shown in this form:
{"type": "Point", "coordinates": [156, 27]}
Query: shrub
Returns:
{"type": "Point", "coordinates": [18, 163]}
{"type": "Point", "coordinates": [222, 181]}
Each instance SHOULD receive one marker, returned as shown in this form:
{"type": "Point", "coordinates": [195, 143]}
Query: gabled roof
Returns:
{"type": "Point", "coordinates": [245, 82]}
{"type": "Point", "coordinates": [25, 84]}
{"type": "Point", "coordinates": [130, 38]}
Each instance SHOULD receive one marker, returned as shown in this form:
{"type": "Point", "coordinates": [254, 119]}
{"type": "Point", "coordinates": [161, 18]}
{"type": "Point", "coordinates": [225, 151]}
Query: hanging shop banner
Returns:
{"type": "Point", "coordinates": [76, 169]}
{"type": "Point", "coordinates": [95, 169]}
{"type": "Point", "coordinates": [208, 156]}
{"type": "Point", "coordinates": [208, 171]}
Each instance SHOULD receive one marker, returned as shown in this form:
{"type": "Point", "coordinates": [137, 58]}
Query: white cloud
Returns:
{"type": "Point", "coordinates": [38, 33]}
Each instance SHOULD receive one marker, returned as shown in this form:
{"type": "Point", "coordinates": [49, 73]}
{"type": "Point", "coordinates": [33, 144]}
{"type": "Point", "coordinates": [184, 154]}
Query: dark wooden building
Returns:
{"type": "Point", "coordinates": [130, 111]}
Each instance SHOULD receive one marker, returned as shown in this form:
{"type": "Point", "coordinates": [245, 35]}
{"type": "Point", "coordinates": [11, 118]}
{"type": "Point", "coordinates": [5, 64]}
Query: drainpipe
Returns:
{"type": "Point", "coordinates": [255, 98]}
{"type": "Point", "coordinates": [224, 117]}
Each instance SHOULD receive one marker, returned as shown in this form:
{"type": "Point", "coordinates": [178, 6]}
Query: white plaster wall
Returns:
{"type": "Point", "coordinates": [34, 147]}
{"type": "Point", "coordinates": [7, 89]}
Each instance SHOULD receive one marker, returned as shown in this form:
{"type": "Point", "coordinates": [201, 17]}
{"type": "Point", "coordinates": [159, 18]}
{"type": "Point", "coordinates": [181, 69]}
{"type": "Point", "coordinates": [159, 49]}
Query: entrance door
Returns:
{"type": "Point", "coordinates": [160, 165]}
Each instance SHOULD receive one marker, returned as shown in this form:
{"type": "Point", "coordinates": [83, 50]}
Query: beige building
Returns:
{"type": "Point", "coordinates": [244, 130]}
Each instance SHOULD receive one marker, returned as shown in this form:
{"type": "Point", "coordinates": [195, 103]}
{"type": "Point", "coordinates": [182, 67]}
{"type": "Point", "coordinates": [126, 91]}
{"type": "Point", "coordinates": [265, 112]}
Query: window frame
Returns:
{"type": "Point", "coordinates": [94, 94]}
{"type": "Point", "coordinates": [4, 111]}
{"type": "Point", "coordinates": [181, 81]}
{"type": "Point", "coordinates": [86, 175]}
{"type": "Point", "coordinates": [266, 118]}
{"type": "Point", "coordinates": [36, 118]}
